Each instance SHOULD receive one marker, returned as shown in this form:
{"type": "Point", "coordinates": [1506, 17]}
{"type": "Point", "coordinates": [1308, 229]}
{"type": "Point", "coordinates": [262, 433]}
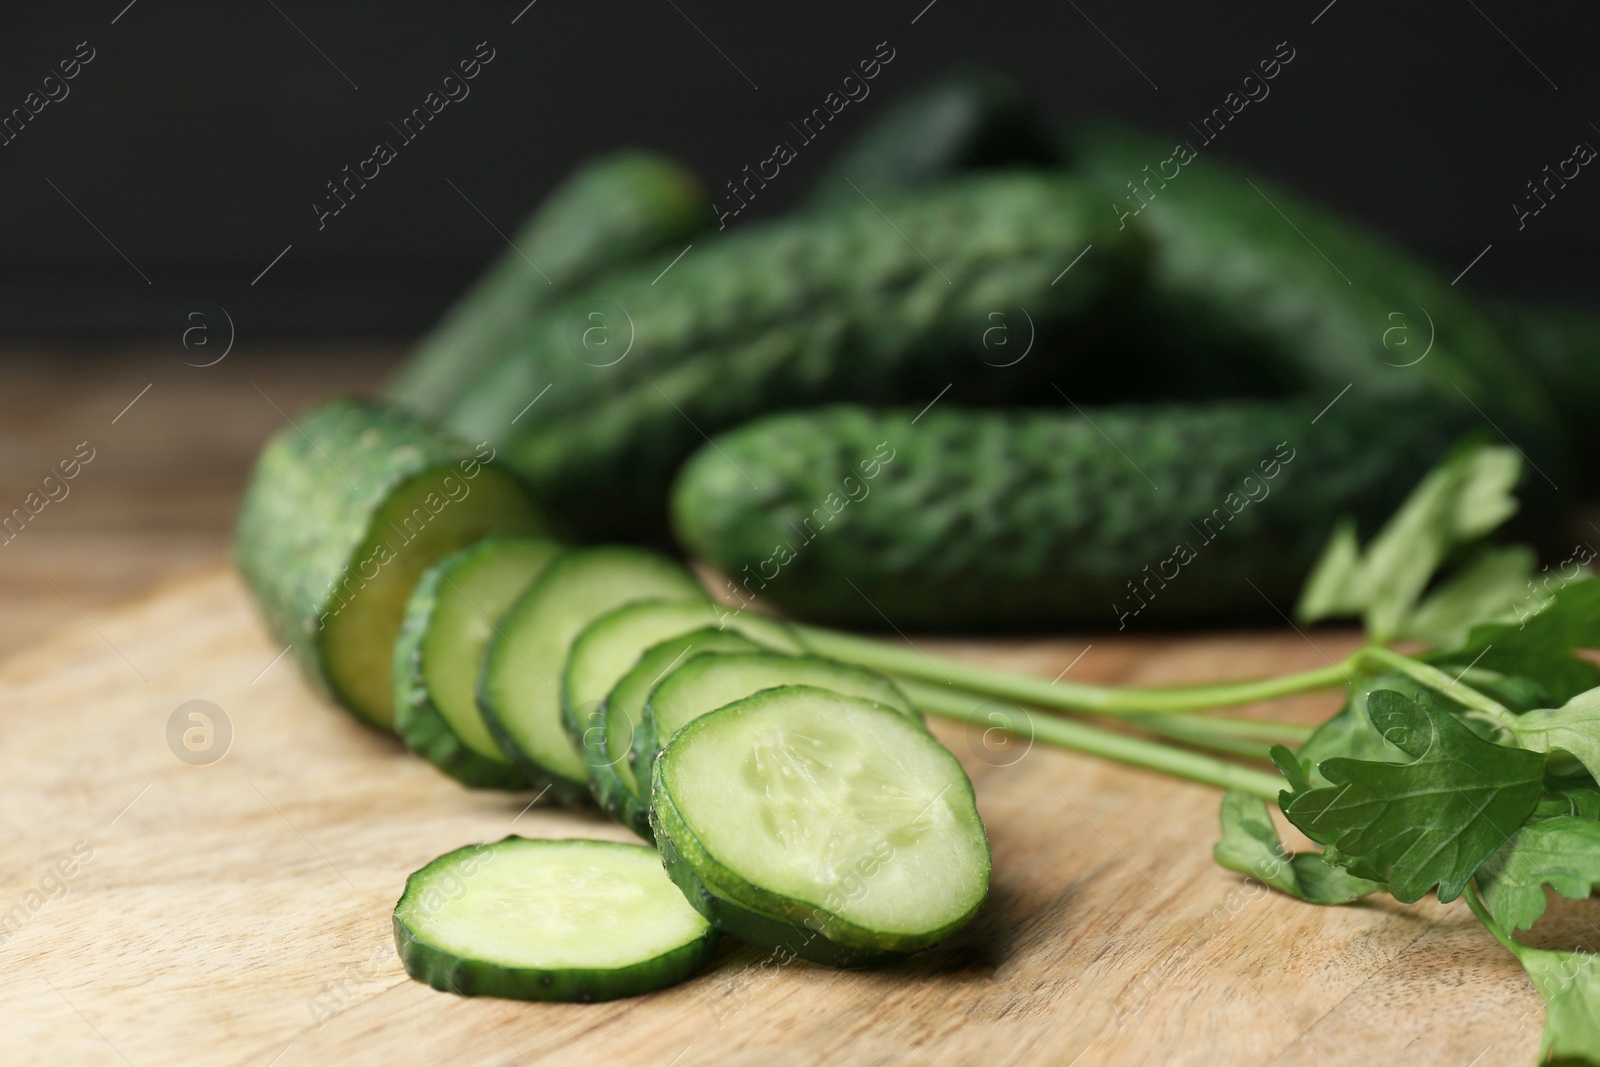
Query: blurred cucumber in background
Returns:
{"type": "Point", "coordinates": [1043, 330]}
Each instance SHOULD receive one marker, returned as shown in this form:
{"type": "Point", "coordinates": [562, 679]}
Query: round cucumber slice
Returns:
{"type": "Point", "coordinates": [605, 650]}
{"type": "Point", "coordinates": [449, 619]}
{"type": "Point", "coordinates": [709, 682]}
{"type": "Point", "coordinates": [825, 825]}
{"type": "Point", "coordinates": [612, 644]}
{"type": "Point", "coordinates": [611, 777]}
{"type": "Point", "coordinates": [519, 689]}
{"type": "Point", "coordinates": [548, 920]}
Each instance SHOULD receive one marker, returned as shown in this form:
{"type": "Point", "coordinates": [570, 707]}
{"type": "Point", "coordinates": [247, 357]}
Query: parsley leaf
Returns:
{"type": "Point", "coordinates": [1491, 588]}
{"type": "Point", "coordinates": [1563, 853]}
{"type": "Point", "coordinates": [1574, 727]}
{"type": "Point", "coordinates": [1540, 645]}
{"type": "Point", "coordinates": [1427, 823]}
{"type": "Point", "coordinates": [1251, 846]}
{"type": "Point", "coordinates": [1569, 985]}
{"type": "Point", "coordinates": [1460, 501]}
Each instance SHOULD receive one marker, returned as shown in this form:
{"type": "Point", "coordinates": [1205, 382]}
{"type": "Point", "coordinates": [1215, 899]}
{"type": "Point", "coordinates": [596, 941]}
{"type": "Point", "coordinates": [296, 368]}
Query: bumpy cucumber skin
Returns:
{"type": "Point", "coordinates": [309, 508]}
{"type": "Point", "coordinates": [607, 212]}
{"type": "Point", "coordinates": [971, 118]}
{"type": "Point", "coordinates": [473, 978]}
{"type": "Point", "coordinates": [1029, 518]}
{"type": "Point", "coordinates": [608, 789]}
{"type": "Point", "coordinates": [559, 788]}
{"type": "Point", "coordinates": [418, 720]}
{"type": "Point", "coordinates": [766, 920]}
{"type": "Point", "coordinates": [827, 306]}
{"type": "Point", "coordinates": [1237, 292]}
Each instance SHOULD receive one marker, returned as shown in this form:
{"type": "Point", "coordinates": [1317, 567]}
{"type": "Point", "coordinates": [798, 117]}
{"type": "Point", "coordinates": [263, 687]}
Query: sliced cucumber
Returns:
{"type": "Point", "coordinates": [611, 777]}
{"type": "Point", "coordinates": [709, 682]}
{"type": "Point", "coordinates": [452, 612]}
{"type": "Point", "coordinates": [610, 645]}
{"type": "Point", "coordinates": [548, 920]}
{"type": "Point", "coordinates": [345, 509]}
{"type": "Point", "coordinates": [519, 689]}
{"type": "Point", "coordinates": [821, 824]}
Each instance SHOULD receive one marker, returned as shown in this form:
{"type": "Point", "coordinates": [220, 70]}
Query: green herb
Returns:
{"type": "Point", "coordinates": [1427, 823]}
{"type": "Point", "coordinates": [1563, 853]}
{"type": "Point", "coordinates": [1574, 727]}
{"type": "Point", "coordinates": [1250, 845]}
{"type": "Point", "coordinates": [1463, 499]}
{"type": "Point", "coordinates": [1569, 985]}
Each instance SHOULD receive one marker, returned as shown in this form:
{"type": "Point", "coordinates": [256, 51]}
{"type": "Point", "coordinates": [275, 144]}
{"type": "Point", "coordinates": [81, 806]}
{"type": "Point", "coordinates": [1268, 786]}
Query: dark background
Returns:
{"type": "Point", "coordinates": [201, 134]}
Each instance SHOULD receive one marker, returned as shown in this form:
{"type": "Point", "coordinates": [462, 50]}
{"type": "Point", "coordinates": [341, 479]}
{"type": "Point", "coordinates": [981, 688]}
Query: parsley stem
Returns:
{"type": "Point", "coordinates": [1092, 740]}
{"type": "Point", "coordinates": [1437, 680]}
{"type": "Point", "coordinates": [1062, 695]}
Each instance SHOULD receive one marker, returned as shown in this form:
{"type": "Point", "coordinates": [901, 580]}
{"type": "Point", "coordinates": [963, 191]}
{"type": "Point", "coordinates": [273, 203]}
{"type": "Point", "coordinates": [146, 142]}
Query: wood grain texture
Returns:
{"type": "Point", "coordinates": [238, 913]}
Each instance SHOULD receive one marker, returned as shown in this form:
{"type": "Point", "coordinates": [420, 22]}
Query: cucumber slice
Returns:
{"type": "Point", "coordinates": [548, 920]}
{"type": "Point", "coordinates": [611, 778]}
{"type": "Point", "coordinates": [821, 824]}
{"type": "Point", "coordinates": [345, 509]}
{"type": "Point", "coordinates": [613, 643]}
{"type": "Point", "coordinates": [519, 689]}
{"type": "Point", "coordinates": [709, 682]}
{"type": "Point", "coordinates": [452, 613]}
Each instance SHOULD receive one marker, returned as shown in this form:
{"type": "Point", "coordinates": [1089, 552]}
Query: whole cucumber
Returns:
{"type": "Point", "coordinates": [971, 118]}
{"type": "Point", "coordinates": [1042, 518]}
{"type": "Point", "coordinates": [1255, 289]}
{"type": "Point", "coordinates": [888, 301]}
{"type": "Point", "coordinates": [345, 508]}
{"type": "Point", "coordinates": [609, 211]}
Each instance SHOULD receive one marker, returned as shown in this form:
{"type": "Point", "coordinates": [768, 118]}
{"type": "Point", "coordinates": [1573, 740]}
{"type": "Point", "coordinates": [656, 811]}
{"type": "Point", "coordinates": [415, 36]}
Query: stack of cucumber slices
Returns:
{"type": "Point", "coordinates": [797, 803]}
{"type": "Point", "coordinates": [793, 801]}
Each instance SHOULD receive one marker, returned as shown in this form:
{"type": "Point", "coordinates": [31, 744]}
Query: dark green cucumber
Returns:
{"type": "Point", "coordinates": [834, 828]}
{"type": "Point", "coordinates": [871, 302]}
{"type": "Point", "coordinates": [452, 613]}
{"type": "Point", "coordinates": [972, 118]}
{"type": "Point", "coordinates": [706, 683]}
{"type": "Point", "coordinates": [607, 212]}
{"type": "Point", "coordinates": [1254, 288]}
{"type": "Point", "coordinates": [519, 689]}
{"type": "Point", "coordinates": [345, 508]}
{"type": "Point", "coordinates": [570, 920]}
{"type": "Point", "coordinates": [612, 780]}
{"type": "Point", "coordinates": [1042, 518]}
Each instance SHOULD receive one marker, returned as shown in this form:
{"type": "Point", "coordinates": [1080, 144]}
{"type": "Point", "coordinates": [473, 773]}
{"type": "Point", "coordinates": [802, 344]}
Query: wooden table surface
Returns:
{"type": "Point", "coordinates": [238, 912]}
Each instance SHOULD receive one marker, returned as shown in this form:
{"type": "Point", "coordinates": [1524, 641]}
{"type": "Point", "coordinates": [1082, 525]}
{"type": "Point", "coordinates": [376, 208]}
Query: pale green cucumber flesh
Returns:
{"type": "Point", "coordinates": [519, 689]}
{"type": "Point", "coordinates": [611, 778]}
{"type": "Point", "coordinates": [548, 920]}
{"type": "Point", "coordinates": [471, 603]}
{"type": "Point", "coordinates": [448, 620]}
{"type": "Point", "coordinates": [817, 812]}
{"type": "Point", "coordinates": [709, 682]}
{"type": "Point", "coordinates": [430, 515]}
{"type": "Point", "coordinates": [607, 648]}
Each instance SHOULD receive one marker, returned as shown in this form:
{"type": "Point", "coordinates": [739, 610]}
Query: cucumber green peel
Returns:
{"type": "Point", "coordinates": [452, 613]}
{"type": "Point", "coordinates": [519, 689]}
{"type": "Point", "coordinates": [819, 824]}
{"type": "Point", "coordinates": [548, 920]}
{"type": "Point", "coordinates": [612, 779]}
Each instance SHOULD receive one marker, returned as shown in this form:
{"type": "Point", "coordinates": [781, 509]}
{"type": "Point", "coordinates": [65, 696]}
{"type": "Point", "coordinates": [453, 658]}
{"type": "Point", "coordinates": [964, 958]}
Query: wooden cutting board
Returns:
{"type": "Point", "coordinates": [237, 913]}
